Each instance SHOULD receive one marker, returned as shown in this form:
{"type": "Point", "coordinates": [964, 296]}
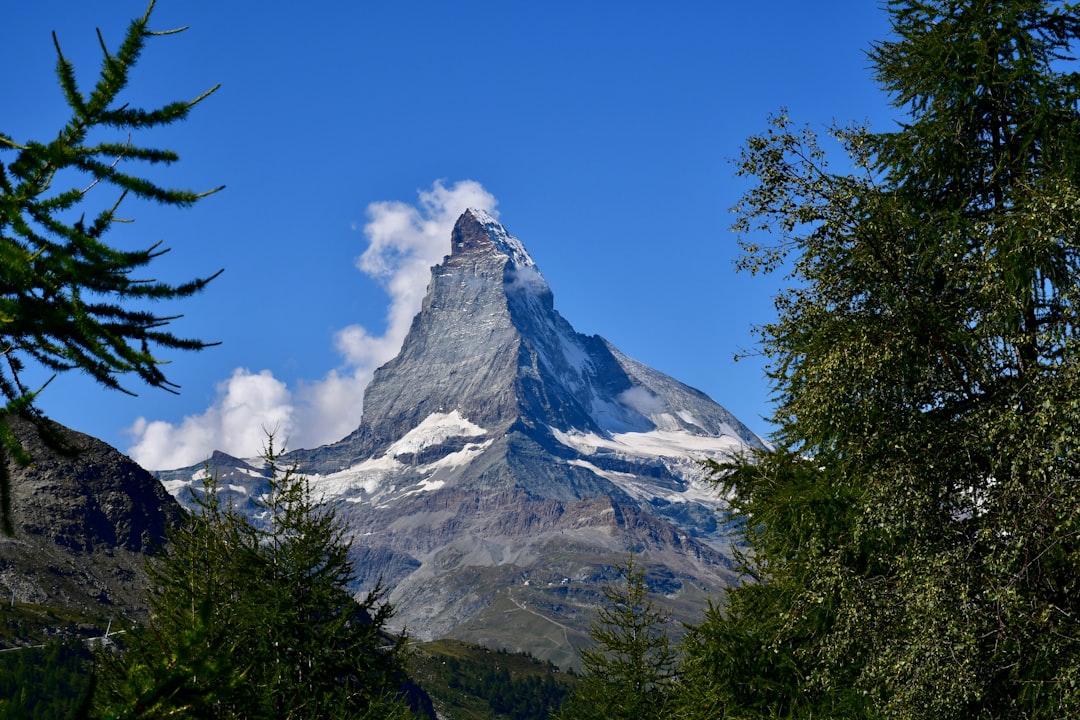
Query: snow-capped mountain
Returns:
{"type": "Point", "coordinates": [505, 463]}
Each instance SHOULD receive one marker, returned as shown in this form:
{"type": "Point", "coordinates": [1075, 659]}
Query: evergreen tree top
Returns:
{"type": "Point", "coordinates": [68, 299]}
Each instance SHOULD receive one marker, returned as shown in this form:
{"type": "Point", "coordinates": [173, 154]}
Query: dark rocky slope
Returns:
{"type": "Point", "coordinates": [84, 526]}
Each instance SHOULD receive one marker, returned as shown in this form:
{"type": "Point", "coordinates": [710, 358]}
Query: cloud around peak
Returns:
{"type": "Point", "coordinates": [403, 242]}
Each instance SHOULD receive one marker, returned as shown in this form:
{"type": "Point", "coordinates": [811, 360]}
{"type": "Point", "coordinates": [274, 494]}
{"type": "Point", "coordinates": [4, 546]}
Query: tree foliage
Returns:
{"type": "Point", "coordinates": [51, 682]}
{"type": "Point", "coordinates": [629, 670]}
{"type": "Point", "coordinates": [68, 299]}
{"type": "Point", "coordinates": [916, 535]}
{"type": "Point", "coordinates": [468, 680]}
{"type": "Point", "coordinates": [253, 622]}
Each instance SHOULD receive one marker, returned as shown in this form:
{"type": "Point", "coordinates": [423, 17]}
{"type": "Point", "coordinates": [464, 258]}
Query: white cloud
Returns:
{"type": "Point", "coordinates": [404, 241]}
{"type": "Point", "coordinates": [640, 399]}
{"type": "Point", "coordinates": [247, 405]}
{"type": "Point", "coordinates": [526, 278]}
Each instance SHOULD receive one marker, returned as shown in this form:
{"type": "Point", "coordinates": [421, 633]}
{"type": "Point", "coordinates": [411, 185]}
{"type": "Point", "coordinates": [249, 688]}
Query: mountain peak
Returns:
{"type": "Point", "coordinates": [505, 459]}
{"type": "Point", "coordinates": [476, 231]}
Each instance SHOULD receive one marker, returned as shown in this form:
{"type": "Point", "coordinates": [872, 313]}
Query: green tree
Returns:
{"type": "Point", "coordinates": [68, 299]}
{"type": "Point", "coordinates": [186, 659]}
{"type": "Point", "coordinates": [628, 672]}
{"type": "Point", "coordinates": [254, 622]}
{"type": "Point", "coordinates": [917, 535]}
{"type": "Point", "coordinates": [754, 656]}
{"type": "Point", "coordinates": [52, 681]}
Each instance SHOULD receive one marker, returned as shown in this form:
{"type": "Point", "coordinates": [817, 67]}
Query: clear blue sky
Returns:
{"type": "Point", "coordinates": [601, 133]}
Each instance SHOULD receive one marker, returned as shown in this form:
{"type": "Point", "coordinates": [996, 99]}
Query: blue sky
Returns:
{"type": "Point", "coordinates": [600, 133]}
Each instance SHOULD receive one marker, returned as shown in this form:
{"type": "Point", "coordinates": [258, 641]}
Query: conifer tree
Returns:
{"type": "Point", "coordinates": [68, 299]}
{"type": "Point", "coordinates": [257, 622]}
{"type": "Point", "coordinates": [324, 654]}
{"type": "Point", "coordinates": [185, 660]}
{"type": "Point", "coordinates": [629, 670]}
{"type": "Point", "coordinates": [916, 536]}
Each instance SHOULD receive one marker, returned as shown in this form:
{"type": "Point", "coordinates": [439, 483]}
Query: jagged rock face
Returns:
{"type": "Point", "coordinates": [84, 526]}
{"type": "Point", "coordinates": [506, 463]}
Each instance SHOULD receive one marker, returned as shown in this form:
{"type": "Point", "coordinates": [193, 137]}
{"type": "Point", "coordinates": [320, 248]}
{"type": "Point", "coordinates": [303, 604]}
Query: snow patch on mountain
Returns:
{"type": "Point", "coordinates": [366, 476]}
{"type": "Point", "coordinates": [575, 355]}
{"type": "Point", "coordinates": [425, 486]}
{"type": "Point", "coordinates": [435, 429]}
{"type": "Point", "coordinates": [695, 490]}
{"type": "Point", "coordinates": [688, 418]}
{"type": "Point", "coordinates": [653, 444]}
{"type": "Point", "coordinates": [174, 487]}
{"type": "Point", "coordinates": [370, 475]}
{"type": "Point", "coordinates": [457, 459]}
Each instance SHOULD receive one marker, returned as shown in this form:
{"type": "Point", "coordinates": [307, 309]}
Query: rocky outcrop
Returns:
{"type": "Point", "coordinates": [85, 524]}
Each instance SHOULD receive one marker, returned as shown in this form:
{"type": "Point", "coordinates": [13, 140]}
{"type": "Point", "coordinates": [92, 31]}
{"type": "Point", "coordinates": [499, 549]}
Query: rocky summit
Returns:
{"type": "Point", "coordinates": [506, 464]}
